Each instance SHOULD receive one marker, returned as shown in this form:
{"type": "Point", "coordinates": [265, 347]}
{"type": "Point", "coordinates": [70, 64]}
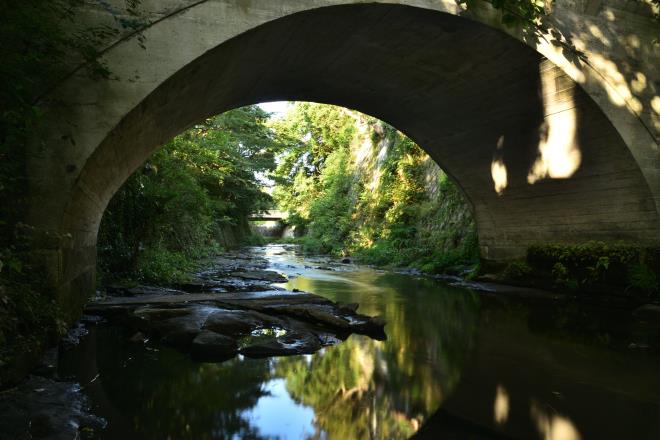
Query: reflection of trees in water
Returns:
{"type": "Point", "coordinates": [358, 389]}
{"type": "Point", "coordinates": [369, 389]}
{"type": "Point", "coordinates": [170, 396]}
{"type": "Point", "coordinates": [348, 394]}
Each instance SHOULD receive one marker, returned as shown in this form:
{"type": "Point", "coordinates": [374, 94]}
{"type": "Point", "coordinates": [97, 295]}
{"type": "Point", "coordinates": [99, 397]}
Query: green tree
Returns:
{"type": "Point", "coordinates": [361, 187]}
{"type": "Point", "coordinates": [174, 209]}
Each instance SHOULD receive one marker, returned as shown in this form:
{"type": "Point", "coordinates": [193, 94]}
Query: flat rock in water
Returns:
{"type": "Point", "coordinates": [239, 322]}
{"type": "Point", "coordinates": [157, 314]}
{"type": "Point", "coordinates": [348, 307]}
{"type": "Point", "coordinates": [181, 338]}
{"type": "Point", "coordinates": [308, 321]}
{"type": "Point", "coordinates": [228, 284]}
{"type": "Point", "coordinates": [262, 275]}
{"type": "Point", "coordinates": [46, 409]}
{"type": "Point", "coordinates": [115, 290]}
{"type": "Point", "coordinates": [320, 313]}
{"type": "Point", "coordinates": [202, 285]}
{"type": "Point", "coordinates": [139, 338]}
{"type": "Point", "coordinates": [179, 332]}
{"type": "Point", "coordinates": [648, 311]}
{"type": "Point", "coordinates": [244, 298]}
{"type": "Point", "coordinates": [292, 343]}
{"type": "Point", "coordinates": [212, 346]}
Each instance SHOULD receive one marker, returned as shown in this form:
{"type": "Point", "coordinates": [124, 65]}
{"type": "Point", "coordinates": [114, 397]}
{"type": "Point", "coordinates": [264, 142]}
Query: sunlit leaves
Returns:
{"type": "Point", "coordinates": [205, 180]}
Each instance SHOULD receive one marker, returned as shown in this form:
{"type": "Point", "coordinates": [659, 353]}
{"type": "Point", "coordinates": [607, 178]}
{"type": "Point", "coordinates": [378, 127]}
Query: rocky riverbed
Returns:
{"type": "Point", "coordinates": [218, 326]}
{"type": "Point", "coordinates": [227, 309]}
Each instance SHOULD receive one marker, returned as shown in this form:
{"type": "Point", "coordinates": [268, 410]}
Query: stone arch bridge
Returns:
{"type": "Point", "coordinates": [546, 145]}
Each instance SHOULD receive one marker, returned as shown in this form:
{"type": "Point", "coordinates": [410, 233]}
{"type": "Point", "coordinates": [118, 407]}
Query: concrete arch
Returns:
{"type": "Point", "coordinates": [537, 156]}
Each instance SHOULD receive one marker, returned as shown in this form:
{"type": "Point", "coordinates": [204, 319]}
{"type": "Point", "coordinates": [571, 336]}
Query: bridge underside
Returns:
{"type": "Point", "coordinates": [275, 216]}
{"type": "Point", "coordinates": [534, 155]}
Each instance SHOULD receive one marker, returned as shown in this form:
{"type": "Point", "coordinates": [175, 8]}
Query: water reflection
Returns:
{"type": "Point", "coordinates": [277, 415]}
{"type": "Point", "coordinates": [492, 365]}
{"type": "Point", "coordinates": [361, 388]}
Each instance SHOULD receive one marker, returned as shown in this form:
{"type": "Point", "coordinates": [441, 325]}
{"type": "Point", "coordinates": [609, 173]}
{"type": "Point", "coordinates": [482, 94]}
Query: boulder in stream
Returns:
{"type": "Point", "coordinates": [291, 343]}
{"type": "Point", "coordinates": [212, 346]}
{"type": "Point", "coordinates": [238, 322]}
{"type": "Point", "coordinates": [178, 320]}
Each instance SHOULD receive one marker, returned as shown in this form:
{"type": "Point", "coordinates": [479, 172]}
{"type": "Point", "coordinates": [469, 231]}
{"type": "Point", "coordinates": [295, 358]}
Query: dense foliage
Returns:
{"type": "Point", "coordinates": [360, 187]}
{"type": "Point", "coordinates": [192, 197]}
{"type": "Point", "coordinates": [590, 267]}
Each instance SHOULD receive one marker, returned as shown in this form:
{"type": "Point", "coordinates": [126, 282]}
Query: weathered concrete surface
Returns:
{"type": "Point", "coordinates": [544, 146]}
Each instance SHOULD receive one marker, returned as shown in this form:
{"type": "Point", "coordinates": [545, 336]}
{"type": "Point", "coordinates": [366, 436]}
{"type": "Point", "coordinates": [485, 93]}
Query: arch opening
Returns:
{"type": "Point", "coordinates": [342, 182]}
{"type": "Point", "coordinates": [534, 155]}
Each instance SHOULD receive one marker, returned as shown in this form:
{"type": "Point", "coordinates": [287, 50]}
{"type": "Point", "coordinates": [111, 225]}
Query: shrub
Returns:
{"type": "Point", "coordinates": [163, 266]}
{"type": "Point", "coordinates": [381, 253]}
{"type": "Point", "coordinates": [254, 240]}
{"type": "Point", "coordinates": [596, 266]}
{"type": "Point", "coordinates": [643, 279]}
{"type": "Point", "coordinates": [313, 245]}
{"type": "Point", "coordinates": [515, 271]}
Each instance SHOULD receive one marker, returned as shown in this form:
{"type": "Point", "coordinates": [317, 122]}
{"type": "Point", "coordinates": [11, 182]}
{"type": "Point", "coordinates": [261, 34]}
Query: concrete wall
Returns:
{"type": "Point", "coordinates": [271, 229]}
{"type": "Point", "coordinates": [546, 147]}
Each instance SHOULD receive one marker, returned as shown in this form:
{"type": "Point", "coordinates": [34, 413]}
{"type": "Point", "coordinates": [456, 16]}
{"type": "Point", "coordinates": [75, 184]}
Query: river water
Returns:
{"type": "Point", "coordinates": [456, 364]}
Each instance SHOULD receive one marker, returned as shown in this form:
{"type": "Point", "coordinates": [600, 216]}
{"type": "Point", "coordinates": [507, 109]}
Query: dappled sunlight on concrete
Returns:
{"type": "Point", "coordinates": [498, 169]}
{"type": "Point", "coordinates": [620, 92]}
{"type": "Point", "coordinates": [604, 51]}
{"type": "Point", "coordinates": [559, 153]}
{"type": "Point", "coordinates": [553, 426]}
{"type": "Point", "coordinates": [612, 45]}
{"type": "Point", "coordinates": [498, 173]}
{"type": "Point", "coordinates": [655, 105]}
{"type": "Point", "coordinates": [501, 406]}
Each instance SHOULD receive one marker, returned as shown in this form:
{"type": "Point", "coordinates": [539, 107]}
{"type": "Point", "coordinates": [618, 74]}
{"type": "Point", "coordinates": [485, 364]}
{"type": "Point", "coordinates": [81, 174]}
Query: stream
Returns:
{"type": "Point", "coordinates": [456, 363]}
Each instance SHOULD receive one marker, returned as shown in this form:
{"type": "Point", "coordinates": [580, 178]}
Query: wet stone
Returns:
{"type": "Point", "coordinates": [116, 290]}
{"type": "Point", "coordinates": [179, 332]}
{"type": "Point", "coordinates": [197, 286]}
{"type": "Point", "coordinates": [292, 343]}
{"type": "Point", "coordinates": [234, 299]}
{"type": "Point", "coordinates": [180, 338]}
{"type": "Point", "coordinates": [156, 314]}
{"type": "Point", "coordinates": [348, 307]}
{"type": "Point", "coordinates": [262, 275]}
{"type": "Point", "coordinates": [138, 338]}
{"type": "Point", "coordinates": [73, 336]}
{"type": "Point", "coordinates": [212, 346]}
{"type": "Point", "coordinates": [328, 339]}
{"type": "Point", "coordinates": [47, 409]}
{"type": "Point", "coordinates": [648, 311]}
{"type": "Point", "coordinates": [238, 322]}
{"type": "Point", "coordinates": [315, 313]}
